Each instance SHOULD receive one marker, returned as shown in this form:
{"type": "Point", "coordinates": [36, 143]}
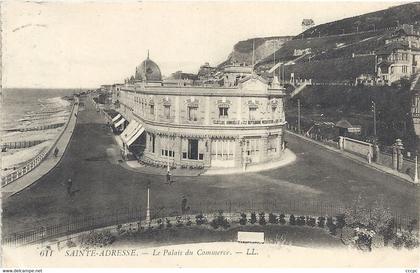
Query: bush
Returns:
{"type": "Point", "coordinates": [340, 222]}
{"type": "Point", "coordinates": [311, 222]}
{"type": "Point", "coordinates": [321, 222]}
{"type": "Point", "coordinates": [253, 219]}
{"type": "Point", "coordinates": [189, 223]}
{"type": "Point", "coordinates": [300, 221]}
{"type": "Point", "coordinates": [97, 239]}
{"type": "Point", "coordinates": [292, 220]}
{"type": "Point", "coordinates": [168, 223]}
{"type": "Point", "coordinates": [179, 222]}
{"type": "Point", "coordinates": [160, 224]}
{"type": "Point", "coordinates": [377, 241]}
{"type": "Point", "coordinates": [200, 219]}
{"type": "Point", "coordinates": [282, 219]}
{"type": "Point", "coordinates": [331, 226]}
{"type": "Point", "coordinates": [272, 219]}
{"type": "Point", "coordinates": [388, 232]}
{"type": "Point", "coordinates": [70, 243]}
{"type": "Point", "coordinates": [243, 219]}
{"type": "Point", "coordinates": [406, 239]}
{"type": "Point", "coordinates": [364, 241]}
{"type": "Point", "coordinates": [348, 236]}
{"type": "Point", "coordinates": [262, 221]}
{"type": "Point", "coordinates": [220, 221]}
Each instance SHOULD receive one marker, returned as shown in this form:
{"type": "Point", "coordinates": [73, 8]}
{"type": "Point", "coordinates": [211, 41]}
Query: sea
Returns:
{"type": "Point", "coordinates": [26, 109]}
{"type": "Point", "coordinates": [23, 107]}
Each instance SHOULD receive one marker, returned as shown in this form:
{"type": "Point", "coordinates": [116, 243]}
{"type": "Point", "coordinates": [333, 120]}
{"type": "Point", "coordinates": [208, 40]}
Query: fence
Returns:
{"type": "Point", "coordinates": [5, 180]}
{"type": "Point", "coordinates": [385, 156]}
{"type": "Point", "coordinates": [356, 146]}
{"type": "Point", "coordinates": [42, 127]}
{"type": "Point", "coordinates": [137, 216]}
{"type": "Point", "coordinates": [20, 144]}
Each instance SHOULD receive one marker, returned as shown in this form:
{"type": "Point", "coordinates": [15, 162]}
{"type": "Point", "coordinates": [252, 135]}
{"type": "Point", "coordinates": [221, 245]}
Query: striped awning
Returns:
{"type": "Point", "coordinates": [114, 119]}
{"type": "Point", "coordinates": [129, 131]}
{"type": "Point", "coordinates": [139, 130]}
{"type": "Point", "coordinates": [121, 121]}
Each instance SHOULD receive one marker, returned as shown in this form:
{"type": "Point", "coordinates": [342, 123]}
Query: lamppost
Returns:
{"type": "Point", "coordinates": [298, 101]}
{"type": "Point", "coordinates": [374, 118]}
{"type": "Point", "coordinates": [416, 175]}
{"type": "Point", "coordinates": [148, 205]}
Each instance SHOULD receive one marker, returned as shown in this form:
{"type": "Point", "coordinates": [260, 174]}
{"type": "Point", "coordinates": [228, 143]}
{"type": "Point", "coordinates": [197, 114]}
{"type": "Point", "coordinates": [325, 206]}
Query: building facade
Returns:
{"type": "Point", "coordinates": [195, 126]}
{"type": "Point", "coordinates": [400, 56]}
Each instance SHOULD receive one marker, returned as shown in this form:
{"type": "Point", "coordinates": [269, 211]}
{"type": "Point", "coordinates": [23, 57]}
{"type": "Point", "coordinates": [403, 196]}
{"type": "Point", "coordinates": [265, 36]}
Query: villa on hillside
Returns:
{"type": "Point", "coordinates": [400, 56]}
{"type": "Point", "coordinates": [202, 126]}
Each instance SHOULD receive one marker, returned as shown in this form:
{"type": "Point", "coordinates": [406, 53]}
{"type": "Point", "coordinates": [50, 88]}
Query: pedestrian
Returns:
{"type": "Point", "coordinates": [55, 151]}
{"type": "Point", "coordinates": [369, 156]}
{"type": "Point", "coordinates": [168, 177]}
{"type": "Point", "coordinates": [69, 186]}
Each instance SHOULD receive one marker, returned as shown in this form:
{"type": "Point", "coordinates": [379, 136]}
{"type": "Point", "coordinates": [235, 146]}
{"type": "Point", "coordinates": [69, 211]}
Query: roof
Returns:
{"type": "Point", "coordinates": [407, 30]}
{"type": "Point", "coordinates": [238, 69]}
{"type": "Point", "coordinates": [343, 123]}
{"type": "Point", "coordinates": [391, 47]}
{"type": "Point", "coordinates": [253, 76]}
{"type": "Point", "coordinates": [148, 70]}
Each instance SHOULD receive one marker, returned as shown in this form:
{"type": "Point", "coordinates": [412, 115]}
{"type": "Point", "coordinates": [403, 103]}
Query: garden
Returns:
{"type": "Point", "coordinates": [358, 227]}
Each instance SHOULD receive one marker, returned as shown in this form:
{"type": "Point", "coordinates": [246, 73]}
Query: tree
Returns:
{"type": "Point", "coordinates": [262, 219]}
{"type": "Point", "coordinates": [369, 222]}
{"type": "Point", "coordinates": [253, 219]}
{"type": "Point", "coordinates": [243, 220]}
{"type": "Point", "coordinates": [272, 218]}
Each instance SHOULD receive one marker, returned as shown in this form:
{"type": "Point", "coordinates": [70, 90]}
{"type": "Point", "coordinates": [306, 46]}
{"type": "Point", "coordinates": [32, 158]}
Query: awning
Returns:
{"type": "Point", "coordinates": [129, 131]}
{"type": "Point", "coordinates": [139, 131]}
{"type": "Point", "coordinates": [121, 121]}
{"type": "Point", "coordinates": [114, 119]}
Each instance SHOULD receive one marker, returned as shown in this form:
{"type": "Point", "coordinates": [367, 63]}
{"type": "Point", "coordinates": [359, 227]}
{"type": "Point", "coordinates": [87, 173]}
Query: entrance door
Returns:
{"type": "Point", "coordinates": [193, 149]}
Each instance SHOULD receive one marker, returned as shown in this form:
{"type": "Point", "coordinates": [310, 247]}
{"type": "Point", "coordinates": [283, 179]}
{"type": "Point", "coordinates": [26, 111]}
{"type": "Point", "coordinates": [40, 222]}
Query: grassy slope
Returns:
{"type": "Point", "coordinates": [404, 14]}
{"type": "Point", "coordinates": [354, 103]}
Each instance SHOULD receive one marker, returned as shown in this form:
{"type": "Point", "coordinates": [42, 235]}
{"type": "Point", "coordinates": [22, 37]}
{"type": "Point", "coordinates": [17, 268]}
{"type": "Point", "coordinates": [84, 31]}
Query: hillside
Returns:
{"type": "Point", "coordinates": [383, 19]}
{"type": "Point", "coordinates": [323, 49]}
{"type": "Point", "coordinates": [242, 51]}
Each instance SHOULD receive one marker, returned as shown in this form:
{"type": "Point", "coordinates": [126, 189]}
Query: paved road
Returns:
{"type": "Point", "coordinates": [100, 184]}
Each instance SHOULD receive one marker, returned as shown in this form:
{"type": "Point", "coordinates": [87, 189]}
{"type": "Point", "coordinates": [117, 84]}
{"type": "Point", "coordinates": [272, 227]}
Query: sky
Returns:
{"type": "Point", "coordinates": [86, 44]}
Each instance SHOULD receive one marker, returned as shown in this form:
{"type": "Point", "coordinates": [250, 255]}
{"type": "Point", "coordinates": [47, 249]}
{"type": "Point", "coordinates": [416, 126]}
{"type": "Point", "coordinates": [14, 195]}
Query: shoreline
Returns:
{"type": "Point", "coordinates": [20, 145]}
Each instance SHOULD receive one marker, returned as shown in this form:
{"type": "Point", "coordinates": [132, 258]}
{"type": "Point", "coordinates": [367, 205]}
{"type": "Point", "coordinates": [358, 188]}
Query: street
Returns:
{"type": "Point", "coordinates": [99, 183]}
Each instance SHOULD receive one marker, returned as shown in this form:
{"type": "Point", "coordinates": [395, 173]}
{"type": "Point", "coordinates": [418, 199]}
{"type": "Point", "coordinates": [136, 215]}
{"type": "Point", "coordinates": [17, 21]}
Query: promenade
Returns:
{"type": "Point", "coordinates": [102, 184]}
{"type": "Point", "coordinates": [48, 163]}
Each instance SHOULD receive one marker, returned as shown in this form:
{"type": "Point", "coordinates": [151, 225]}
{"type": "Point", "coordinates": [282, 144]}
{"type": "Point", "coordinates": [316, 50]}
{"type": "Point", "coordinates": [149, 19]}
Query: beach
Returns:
{"type": "Point", "coordinates": [32, 119]}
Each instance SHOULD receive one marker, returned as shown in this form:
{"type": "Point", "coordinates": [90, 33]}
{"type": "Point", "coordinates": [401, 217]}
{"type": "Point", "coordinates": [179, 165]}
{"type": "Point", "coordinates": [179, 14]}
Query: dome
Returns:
{"type": "Point", "coordinates": [148, 70]}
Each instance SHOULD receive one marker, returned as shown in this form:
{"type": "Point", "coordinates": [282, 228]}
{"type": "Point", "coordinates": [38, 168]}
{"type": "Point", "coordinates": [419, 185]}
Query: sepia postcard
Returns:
{"type": "Point", "coordinates": [226, 134]}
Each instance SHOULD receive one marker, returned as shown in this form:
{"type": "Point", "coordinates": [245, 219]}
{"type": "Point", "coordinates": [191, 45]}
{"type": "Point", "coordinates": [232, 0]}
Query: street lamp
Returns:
{"type": "Point", "coordinates": [298, 101]}
{"type": "Point", "coordinates": [374, 118]}
{"type": "Point", "coordinates": [148, 205]}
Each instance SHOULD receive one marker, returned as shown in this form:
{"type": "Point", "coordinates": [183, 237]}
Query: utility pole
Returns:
{"type": "Point", "coordinates": [148, 205]}
{"type": "Point", "coordinates": [374, 118]}
{"type": "Point", "coordinates": [167, 149]}
{"type": "Point", "coordinates": [298, 116]}
{"type": "Point", "coordinates": [416, 175]}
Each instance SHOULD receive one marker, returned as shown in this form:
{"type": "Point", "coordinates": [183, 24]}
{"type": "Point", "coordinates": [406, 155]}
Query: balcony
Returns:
{"type": "Point", "coordinates": [247, 122]}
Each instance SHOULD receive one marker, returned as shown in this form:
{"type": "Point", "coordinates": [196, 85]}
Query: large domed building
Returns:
{"type": "Point", "coordinates": [198, 126]}
{"type": "Point", "coordinates": [149, 71]}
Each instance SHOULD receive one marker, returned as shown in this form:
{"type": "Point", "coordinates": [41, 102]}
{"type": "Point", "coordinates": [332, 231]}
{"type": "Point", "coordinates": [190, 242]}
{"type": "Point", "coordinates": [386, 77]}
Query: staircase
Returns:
{"type": "Point", "coordinates": [298, 89]}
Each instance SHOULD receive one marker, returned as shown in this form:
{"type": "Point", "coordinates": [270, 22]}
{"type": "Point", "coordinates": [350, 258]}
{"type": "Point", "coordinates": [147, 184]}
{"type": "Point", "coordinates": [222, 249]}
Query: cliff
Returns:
{"type": "Point", "coordinates": [242, 51]}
